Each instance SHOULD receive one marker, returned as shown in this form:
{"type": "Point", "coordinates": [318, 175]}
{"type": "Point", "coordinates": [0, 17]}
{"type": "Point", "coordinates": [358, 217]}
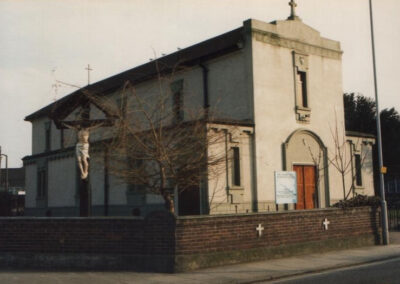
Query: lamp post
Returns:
{"type": "Point", "coordinates": [385, 231]}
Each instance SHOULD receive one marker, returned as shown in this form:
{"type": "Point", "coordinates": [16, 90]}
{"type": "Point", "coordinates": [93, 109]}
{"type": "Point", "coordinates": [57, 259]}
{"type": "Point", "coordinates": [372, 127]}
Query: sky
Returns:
{"type": "Point", "coordinates": [46, 40]}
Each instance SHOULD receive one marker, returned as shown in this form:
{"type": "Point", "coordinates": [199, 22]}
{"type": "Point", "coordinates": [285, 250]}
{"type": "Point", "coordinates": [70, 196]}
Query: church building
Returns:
{"type": "Point", "coordinates": [276, 91]}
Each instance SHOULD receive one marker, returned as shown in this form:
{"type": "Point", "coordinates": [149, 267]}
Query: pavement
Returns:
{"type": "Point", "coordinates": [261, 271]}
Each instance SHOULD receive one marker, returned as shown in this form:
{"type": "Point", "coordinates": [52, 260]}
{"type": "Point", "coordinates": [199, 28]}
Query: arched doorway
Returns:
{"type": "Point", "coordinates": [305, 154]}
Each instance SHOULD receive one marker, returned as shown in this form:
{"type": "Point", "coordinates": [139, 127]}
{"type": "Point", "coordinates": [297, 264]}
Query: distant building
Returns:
{"type": "Point", "coordinates": [392, 185]}
{"type": "Point", "coordinates": [16, 180]}
{"type": "Point", "coordinates": [15, 177]}
{"type": "Point", "coordinates": [280, 82]}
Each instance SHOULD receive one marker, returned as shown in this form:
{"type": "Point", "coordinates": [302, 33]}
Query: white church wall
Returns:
{"type": "Point", "coordinates": [38, 135]}
{"type": "Point", "coordinates": [223, 194]}
{"type": "Point", "coordinates": [62, 182]}
{"type": "Point", "coordinates": [229, 92]}
{"type": "Point", "coordinates": [30, 185]}
{"type": "Point", "coordinates": [367, 170]}
{"type": "Point", "coordinates": [274, 108]}
{"type": "Point", "coordinates": [118, 190]}
{"type": "Point", "coordinates": [362, 147]}
{"type": "Point", "coordinates": [96, 173]}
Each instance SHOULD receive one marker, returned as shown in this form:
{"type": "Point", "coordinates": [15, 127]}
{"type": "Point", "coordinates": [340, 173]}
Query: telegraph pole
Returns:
{"type": "Point", "coordinates": [385, 231]}
{"type": "Point", "coordinates": [6, 179]}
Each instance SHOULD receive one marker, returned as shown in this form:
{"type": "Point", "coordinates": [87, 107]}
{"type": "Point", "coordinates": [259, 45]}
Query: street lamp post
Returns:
{"type": "Point", "coordinates": [6, 179]}
{"type": "Point", "coordinates": [385, 231]}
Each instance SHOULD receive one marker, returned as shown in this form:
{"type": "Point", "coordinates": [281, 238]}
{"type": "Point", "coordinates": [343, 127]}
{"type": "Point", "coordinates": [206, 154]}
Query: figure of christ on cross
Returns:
{"type": "Point", "coordinates": [82, 145]}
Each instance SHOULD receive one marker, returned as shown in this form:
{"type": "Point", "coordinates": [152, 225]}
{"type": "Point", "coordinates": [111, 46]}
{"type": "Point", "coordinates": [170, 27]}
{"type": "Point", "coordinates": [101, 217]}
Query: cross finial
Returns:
{"type": "Point", "coordinates": [293, 15]}
{"type": "Point", "coordinates": [88, 73]}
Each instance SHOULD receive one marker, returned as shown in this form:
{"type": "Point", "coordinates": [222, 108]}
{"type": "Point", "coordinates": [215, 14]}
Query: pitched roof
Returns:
{"type": "Point", "coordinates": [189, 56]}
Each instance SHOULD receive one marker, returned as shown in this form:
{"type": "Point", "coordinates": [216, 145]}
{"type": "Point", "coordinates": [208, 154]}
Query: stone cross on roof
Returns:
{"type": "Point", "coordinates": [88, 73]}
{"type": "Point", "coordinates": [293, 15]}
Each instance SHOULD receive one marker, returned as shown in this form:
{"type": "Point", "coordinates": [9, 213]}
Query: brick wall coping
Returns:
{"type": "Point", "coordinates": [369, 208]}
{"type": "Point", "coordinates": [74, 218]}
{"type": "Point", "coordinates": [188, 217]}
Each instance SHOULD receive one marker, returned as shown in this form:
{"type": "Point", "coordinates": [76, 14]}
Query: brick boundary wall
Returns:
{"type": "Point", "coordinates": [217, 240]}
{"type": "Point", "coordinates": [161, 242]}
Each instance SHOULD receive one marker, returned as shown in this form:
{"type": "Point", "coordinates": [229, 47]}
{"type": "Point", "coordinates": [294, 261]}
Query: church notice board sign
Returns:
{"type": "Point", "coordinates": [285, 187]}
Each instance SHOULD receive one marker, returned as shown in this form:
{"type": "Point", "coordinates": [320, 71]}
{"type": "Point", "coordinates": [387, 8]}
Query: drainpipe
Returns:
{"type": "Point", "coordinates": [106, 182]}
{"type": "Point", "coordinates": [206, 105]}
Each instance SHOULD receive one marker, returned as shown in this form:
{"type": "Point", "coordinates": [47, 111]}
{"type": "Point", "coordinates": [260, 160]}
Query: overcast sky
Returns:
{"type": "Point", "coordinates": [39, 36]}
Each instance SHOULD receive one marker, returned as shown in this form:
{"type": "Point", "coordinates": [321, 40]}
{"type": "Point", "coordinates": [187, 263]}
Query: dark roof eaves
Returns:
{"type": "Point", "coordinates": [359, 134]}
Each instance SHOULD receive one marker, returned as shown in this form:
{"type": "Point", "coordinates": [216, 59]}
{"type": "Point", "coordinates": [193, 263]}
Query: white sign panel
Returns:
{"type": "Point", "coordinates": [285, 187]}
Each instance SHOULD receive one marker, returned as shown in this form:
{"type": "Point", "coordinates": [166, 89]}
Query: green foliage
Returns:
{"type": "Point", "coordinates": [359, 201]}
{"type": "Point", "coordinates": [360, 116]}
{"type": "Point", "coordinates": [359, 113]}
{"type": "Point", "coordinates": [390, 124]}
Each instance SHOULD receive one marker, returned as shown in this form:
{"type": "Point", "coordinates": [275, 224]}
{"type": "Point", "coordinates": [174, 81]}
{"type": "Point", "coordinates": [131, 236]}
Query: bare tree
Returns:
{"type": "Point", "coordinates": [319, 162]}
{"type": "Point", "coordinates": [160, 146]}
{"type": "Point", "coordinates": [342, 159]}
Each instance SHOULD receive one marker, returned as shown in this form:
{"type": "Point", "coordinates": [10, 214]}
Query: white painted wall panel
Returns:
{"type": "Point", "coordinates": [30, 185]}
{"type": "Point", "coordinates": [62, 182]}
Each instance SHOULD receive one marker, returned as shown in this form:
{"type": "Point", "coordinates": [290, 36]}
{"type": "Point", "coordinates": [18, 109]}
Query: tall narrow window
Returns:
{"type": "Point", "coordinates": [236, 166]}
{"type": "Point", "coordinates": [302, 89]}
{"type": "Point", "coordinates": [47, 136]}
{"type": "Point", "coordinates": [137, 167]}
{"type": "Point", "coordinates": [41, 183]}
{"type": "Point", "coordinates": [358, 167]}
{"type": "Point", "coordinates": [177, 100]}
{"type": "Point", "coordinates": [301, 67]}
{"type": "Point", "coordinates": [62, 138]}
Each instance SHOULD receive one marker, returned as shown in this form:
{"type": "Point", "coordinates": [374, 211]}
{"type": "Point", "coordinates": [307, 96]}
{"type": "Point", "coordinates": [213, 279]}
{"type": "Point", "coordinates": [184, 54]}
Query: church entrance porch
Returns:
{"type": "Point", "coordinates": [306, 189]}
{"type": "Point", "coordinates": [305, 153]}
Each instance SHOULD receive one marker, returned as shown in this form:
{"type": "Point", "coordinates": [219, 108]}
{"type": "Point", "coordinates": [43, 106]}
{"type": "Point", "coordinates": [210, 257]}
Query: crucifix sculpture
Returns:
{"type": "Point", "coordinates": [82, 145]}
{"type": "Point", "coordinates": [83, 125]}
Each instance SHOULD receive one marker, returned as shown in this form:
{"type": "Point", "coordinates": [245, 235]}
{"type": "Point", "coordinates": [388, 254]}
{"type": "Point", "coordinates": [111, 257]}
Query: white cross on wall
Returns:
{"type": "Point", "coordinates": [326, 223]}
{"type": "Point", "coordinates": [259, 230]}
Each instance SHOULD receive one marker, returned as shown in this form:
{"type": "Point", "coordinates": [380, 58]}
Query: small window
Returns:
{"type": "Point", "coordinates": [236, 166]}
{"type": "Point", "coordinates": [47, 126]}
{"type": "Point", "coordinates": [41, 183]}
{"type": "Point", "coordinates": [358, 167]}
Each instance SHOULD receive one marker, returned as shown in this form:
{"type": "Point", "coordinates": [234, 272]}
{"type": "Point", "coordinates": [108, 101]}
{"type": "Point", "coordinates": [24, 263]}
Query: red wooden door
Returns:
{"type": "Point", "coordinates": [306, 193]}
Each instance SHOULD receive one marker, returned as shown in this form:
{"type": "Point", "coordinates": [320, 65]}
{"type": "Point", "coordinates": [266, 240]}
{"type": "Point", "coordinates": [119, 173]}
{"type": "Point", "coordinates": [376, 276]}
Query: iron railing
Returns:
{"type": "Point", "coordinates": [394, 217]}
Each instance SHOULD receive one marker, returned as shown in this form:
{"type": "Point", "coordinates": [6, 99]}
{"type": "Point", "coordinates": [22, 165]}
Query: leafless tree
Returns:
{"type": "Point", "coordinates": [159, 146]}
{"type": "Point", "coordinates": [319, 162]}
{"type": "Point", "coordinates": [342, 159]}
